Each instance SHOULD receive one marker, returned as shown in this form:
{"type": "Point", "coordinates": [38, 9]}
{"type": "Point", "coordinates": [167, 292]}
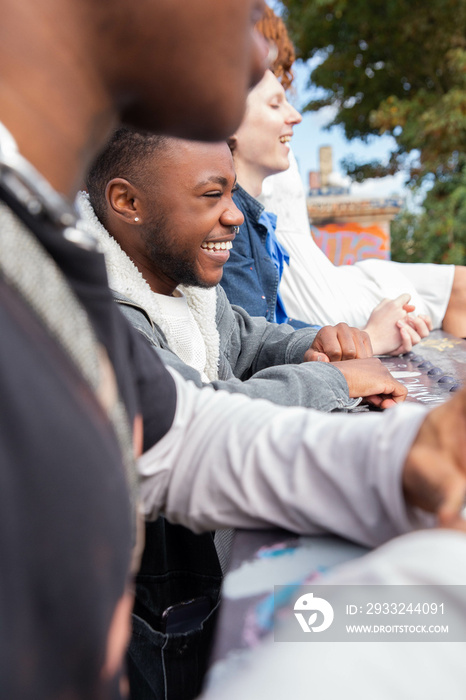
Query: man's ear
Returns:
{"type": "Point", "coordinates": [123, 200]}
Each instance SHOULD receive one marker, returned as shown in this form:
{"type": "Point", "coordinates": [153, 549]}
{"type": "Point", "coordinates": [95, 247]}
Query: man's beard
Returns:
{"type": "Point", "coordinates": [173, 264]}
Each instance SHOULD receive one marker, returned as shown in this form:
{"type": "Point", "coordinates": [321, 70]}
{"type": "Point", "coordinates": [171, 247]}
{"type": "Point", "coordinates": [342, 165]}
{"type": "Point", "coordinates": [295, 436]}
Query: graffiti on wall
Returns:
{"type": "Point", "coordinates": [345, 244]}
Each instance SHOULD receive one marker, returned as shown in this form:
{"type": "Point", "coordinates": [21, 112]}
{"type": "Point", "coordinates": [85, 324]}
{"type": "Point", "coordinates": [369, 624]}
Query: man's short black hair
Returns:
{"type": "Point", "coordinates": [123, 156]}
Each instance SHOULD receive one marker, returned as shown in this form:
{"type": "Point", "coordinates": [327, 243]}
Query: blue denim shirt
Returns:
{"type": "Point", "coordinates": [280, 258]}
{"type": "Point", "coordinates": [250, 277]}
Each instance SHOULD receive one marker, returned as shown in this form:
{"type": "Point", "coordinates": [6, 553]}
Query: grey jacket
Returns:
{"type": "Point", "coordinates": [245, 355]}
{"type": "Point", "coordinates": [256, 358]}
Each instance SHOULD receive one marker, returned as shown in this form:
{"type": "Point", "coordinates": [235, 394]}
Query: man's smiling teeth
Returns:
{"type": "Point", "coordinates": [224, 245]}
{"type": "Point", "coordinates": [285, 139]}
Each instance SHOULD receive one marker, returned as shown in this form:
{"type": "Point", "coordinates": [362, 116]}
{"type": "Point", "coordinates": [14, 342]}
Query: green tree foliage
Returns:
{"type": "Point", "coordinates": [439, 233]}
{"type": "Point", "coordinates": [397, 67]}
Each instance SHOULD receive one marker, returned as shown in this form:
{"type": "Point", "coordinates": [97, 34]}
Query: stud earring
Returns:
{"type": "Point", "coordinates": [136, 218]}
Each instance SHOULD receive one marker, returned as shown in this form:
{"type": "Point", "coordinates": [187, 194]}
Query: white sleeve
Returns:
{"type": "Point", "coordinates": [230, 461]}
{"type": "Point", "coordinates": [362, 670]}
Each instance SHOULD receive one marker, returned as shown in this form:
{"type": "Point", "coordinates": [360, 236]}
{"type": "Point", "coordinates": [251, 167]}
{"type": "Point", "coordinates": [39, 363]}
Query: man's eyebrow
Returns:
{"type": "Point", "coordinates": [216, 179]}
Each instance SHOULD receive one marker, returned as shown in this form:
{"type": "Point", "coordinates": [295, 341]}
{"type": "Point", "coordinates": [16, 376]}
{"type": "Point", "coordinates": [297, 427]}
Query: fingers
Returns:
{"type": "Point", "coordinates": [382, 325]}
{"type": "Point", "coordinates": [427, 320]}
{"type": "Point", "coordinates": [412, 330]}
{"type": "Point", "coordinates": [380, 401]}
{"type": "Point", "coordinates": [355, 344]}
{"type": "Point", "coordinates": [342, 342]}
{"type": "Point", "coordinates": [315, 356]}
{"type": "Point", "coordinates": [390, 390]}
{"type": "Point", "coordinates": [408, 329]}
{"type": "Point", "coordinates": [396, 390]}
{"type": "Point", "coordinates": [422, 325]}
{"type": "Point", "coordinates": [369, 378]}
{"type": "Point", "coordinates": [388, 402]}
{"type": "Point", "coordinates": [332, 345]}
{"type": "Point", "coordinates": [406, 340]}
{"type": "Point", "coordinates": [402, 300]}
{"type": "Point", "coordinates": [329, 340]}
{"type": "Point", "coordinates": [384, 400]}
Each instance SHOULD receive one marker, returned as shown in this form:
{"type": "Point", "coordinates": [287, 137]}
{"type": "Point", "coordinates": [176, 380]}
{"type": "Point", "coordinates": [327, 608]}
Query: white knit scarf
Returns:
{"type": "Point", "coordinates": [125, 278]}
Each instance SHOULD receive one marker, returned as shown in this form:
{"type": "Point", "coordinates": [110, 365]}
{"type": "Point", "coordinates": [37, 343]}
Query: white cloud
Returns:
{"type": "Point", "coordinates": [380, 187]}
{"type": "Point", "coordinates": [338, 180]}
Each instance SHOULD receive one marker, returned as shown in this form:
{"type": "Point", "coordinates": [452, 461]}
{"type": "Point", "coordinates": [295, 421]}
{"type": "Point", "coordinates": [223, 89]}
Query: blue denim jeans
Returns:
{"type": "Point", "coordinates": [177, 566]}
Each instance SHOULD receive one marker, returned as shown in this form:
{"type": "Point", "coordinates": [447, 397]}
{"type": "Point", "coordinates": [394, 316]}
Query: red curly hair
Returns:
{"type": "Point", "coordinates": [273, 28]}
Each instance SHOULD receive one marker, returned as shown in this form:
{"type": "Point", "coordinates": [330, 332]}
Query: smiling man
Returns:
{"type": "Point", "coordinates": [163, 210]}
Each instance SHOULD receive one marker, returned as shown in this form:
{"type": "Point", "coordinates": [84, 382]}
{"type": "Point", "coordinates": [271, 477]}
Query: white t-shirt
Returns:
{"type": "Point", "coordinates": [317, 291]}
{"type": "Point", "coordinates": [188, 341]}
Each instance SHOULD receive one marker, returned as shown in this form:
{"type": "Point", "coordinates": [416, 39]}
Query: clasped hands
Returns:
{"type": "Point", "coordinates": [391, 329]}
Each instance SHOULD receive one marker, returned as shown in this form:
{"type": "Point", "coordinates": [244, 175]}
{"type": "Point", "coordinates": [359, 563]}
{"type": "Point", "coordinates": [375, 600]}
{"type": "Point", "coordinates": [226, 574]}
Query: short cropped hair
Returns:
{"type": "Point", "coordinates": [124, 156]}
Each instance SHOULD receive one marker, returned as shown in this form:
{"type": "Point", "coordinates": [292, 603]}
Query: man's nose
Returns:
{"type": "Point", "coordinates": [232, 216]}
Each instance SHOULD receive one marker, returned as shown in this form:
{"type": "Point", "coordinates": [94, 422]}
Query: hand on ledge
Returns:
{"type": "Point", "coordinates": [370, 379]}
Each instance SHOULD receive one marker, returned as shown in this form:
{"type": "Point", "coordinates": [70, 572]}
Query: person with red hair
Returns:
{"type": "Point", "coordinates": [370, 294]}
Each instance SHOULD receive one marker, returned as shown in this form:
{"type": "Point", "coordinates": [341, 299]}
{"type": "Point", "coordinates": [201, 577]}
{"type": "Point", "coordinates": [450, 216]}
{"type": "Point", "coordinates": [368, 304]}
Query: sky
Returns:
{"type": "Point", "coordinates": [311, 134]}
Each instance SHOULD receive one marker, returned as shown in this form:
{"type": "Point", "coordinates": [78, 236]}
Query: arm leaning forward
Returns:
{"type": "Point", "coordinates": [246, 345]}
{"type": "Point", "coordinates": [231, 462]}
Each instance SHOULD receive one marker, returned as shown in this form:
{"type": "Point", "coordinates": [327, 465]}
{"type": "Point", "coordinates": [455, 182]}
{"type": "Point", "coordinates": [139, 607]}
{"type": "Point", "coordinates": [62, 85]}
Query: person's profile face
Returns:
{"type": "Point", "coordinates": [186, 67]}
{"type": "Point", "coordinates": [192, 216]}
{"type": "Point", "coordinates": [262, 140]}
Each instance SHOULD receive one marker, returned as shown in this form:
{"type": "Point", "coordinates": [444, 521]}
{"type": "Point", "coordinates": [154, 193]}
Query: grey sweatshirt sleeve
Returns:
{"type": "Point", "coordinates": [231, 462]}
{"type": "Point", "coordinates": [311, 384]}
